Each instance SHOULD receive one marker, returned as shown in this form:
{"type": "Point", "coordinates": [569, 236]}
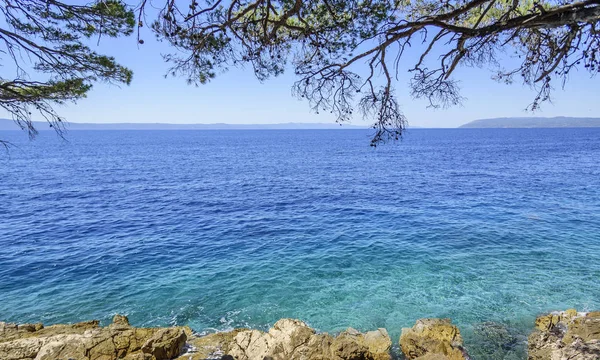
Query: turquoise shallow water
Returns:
{"type": "Point", "coordinates": [240, 228]}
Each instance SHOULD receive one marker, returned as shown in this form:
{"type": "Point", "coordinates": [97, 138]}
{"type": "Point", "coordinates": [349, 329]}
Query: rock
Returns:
{"type": "Point", "coordinates": [432, 339]}
{"type": "Point", "coordinates": [30, 327]}
{"type": "Point", "coordinates": [10, 332]}
{"type": "Point", "coordinates": [63, 347]}
{"type": "Point", "coordinates": [282, 340]}
{"type": "Point", "coordinates": [251, 344]}
{"type": "Point", "coordinates": [89, 341]}
{"type": "Point", "coordinates": [20, 349]}
{"type": "Point", "coordinates": [319, 346]}
{"type": "Point", "coordinates": [13, 331]}
{"type": "Point", "coordinates": [120, 320]}
{"type": "Point", "coordinates": [378, 342]}
{"type": "Point", "coordinates": [165, 343]}
{"type": "Point", "coordinates": [211, 347]}
{"type": "Point", "coordinates": [288, 334]}
{"type": "Point", "coordinates": [566, 335]}
{"type": "Point", "coordinates": [288, 339]}
{"type": "Point", "coordinates": [352, 344]}
{"type": "Point", "coordinates": [349, 345]}
{"type": "Point", "coordinates": [291, 339]}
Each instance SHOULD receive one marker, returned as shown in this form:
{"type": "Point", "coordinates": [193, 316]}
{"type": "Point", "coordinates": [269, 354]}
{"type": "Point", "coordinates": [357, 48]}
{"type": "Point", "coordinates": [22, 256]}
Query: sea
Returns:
{"type": "Point", "coordinates": [225, 229]}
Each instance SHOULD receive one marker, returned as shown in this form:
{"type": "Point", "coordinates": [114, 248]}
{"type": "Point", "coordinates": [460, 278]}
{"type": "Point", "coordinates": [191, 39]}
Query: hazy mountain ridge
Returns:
{"type": "Point", "coordinates": [534, 122]}
{"type": "Point", "coordinates": [6, 124]}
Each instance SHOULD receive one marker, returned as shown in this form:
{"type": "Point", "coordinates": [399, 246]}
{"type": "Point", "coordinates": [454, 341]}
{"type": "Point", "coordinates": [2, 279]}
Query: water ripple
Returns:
{"type": "Point", "coordinates": [226, 229]}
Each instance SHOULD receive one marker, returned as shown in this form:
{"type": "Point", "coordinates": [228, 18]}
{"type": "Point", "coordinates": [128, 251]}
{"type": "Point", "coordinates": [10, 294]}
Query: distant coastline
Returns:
{"type": "Point", "coordinates": [534, 122]}
{"type": "Point", "coordinates": [7, 124]}
{"type": "Point", "coordinates": [492, 123]}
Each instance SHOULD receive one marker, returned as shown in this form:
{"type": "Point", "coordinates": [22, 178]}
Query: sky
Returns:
{"type": "Point", "coordinates": [237, 97]}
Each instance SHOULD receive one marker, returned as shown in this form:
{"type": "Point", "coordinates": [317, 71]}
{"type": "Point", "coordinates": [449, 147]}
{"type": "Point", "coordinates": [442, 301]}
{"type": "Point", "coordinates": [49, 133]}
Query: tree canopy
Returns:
{"type": "Point", "coordinates": [45, 59]}
{"type": "Point", "coordinates": [347, 55]}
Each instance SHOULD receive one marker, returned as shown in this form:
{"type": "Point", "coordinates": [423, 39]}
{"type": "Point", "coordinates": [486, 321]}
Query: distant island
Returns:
{"type": "Point", "coordinates": [534, 122]}
{"type": "Point", "coordinates": [7, 124]}
{"type": "Point", "coordinates": [515, 122]}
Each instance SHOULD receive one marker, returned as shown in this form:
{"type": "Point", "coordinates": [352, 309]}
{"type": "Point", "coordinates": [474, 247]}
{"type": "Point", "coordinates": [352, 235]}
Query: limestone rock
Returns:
{"type": "Point", "coordinates": [20, 349]}
{"type": "Point", "coordinates": [431, 339]}
{"type": "Point", "coordinates": [209, 347]}
{"type": "Point", "coordinates": [90, 342]}
{"type": "Point", "coordinates": [378, 342]}
{"type": "Point", "coordinates": [13, 331]}
{"type": "Point", "coordinates": [287, 335]}
{"type": "Point", "coordinates": [319, 347]}
{"type": "Point", "coordinates": [62, 347]}
{"type": "Point", "coordinates": [566, 335]}
{"type": "Point", "coordinates": [349, 345]}
{"type": "Point", "coordinates": [288, 339]}
{"type": "Point", "coordinates": [251, 344]}
{"type": "Point", "coordinates": [291, 339]}
{"type": "Point", "coordinates": [165, 343]}
{"type": "Point", "coordinates": [120, 321]}
{"type": "Point", "coordinates": [352, 344]}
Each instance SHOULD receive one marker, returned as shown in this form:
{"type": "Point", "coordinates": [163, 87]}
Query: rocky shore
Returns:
{"type": "Point", "coordinates": [560, 335]}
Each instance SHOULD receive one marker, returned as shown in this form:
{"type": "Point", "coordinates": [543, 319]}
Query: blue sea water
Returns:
{"type": "Point", "coordinates": [222, 229]}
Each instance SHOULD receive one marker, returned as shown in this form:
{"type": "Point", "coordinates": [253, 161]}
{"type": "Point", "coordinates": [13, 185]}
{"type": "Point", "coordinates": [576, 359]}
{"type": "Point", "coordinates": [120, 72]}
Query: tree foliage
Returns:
{"type": "Point", "coordinates": [347, 54]}
{"type": "Point", "coordinates": [45, 57]}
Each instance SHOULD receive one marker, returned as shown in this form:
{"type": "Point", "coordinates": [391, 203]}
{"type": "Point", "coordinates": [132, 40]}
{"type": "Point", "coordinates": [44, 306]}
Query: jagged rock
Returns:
{"type": "Point", "coordinates": [431, 339]}
{"type": "Point", "coordinates": [348, 345]}
{"type": "Point", "coordinates": [288, 339]}
{"type": "Point", "coordinates": [13, 331]}
{"type": "Point", "coordinates": [251, 344]}
{"type": "Point", "coordinates": [20, 349]}
{"type": "Point", "coordinates": [319, 346]}
{"type": "Point", "coordinates": [288, 334]}
{"type": "Point", "coordinates": [378, 342]}
{"type": "Point", "coordinates": [280, 342]}
{"type": "Point", "coordinates": [291, 339]}
{"type": "Point", "coordinates": [63, 347]}
{"type": "Point", "coordinates": [165, 343]}
{"type": "Point", "coordinates": [89, 341]}
{"type": "Point", "coordinates": [352, 344]}
{"type": "Point", "coordinates": [120, 321]}
{"type": "Point", "coordinates": [566, 335]}
{"type": "Point", "coordinates": [209, 347]}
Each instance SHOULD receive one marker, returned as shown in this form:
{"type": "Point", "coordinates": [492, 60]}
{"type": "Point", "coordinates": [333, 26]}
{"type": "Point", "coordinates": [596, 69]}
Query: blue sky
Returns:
{"type": "Point", "coordinates": [238, 97]}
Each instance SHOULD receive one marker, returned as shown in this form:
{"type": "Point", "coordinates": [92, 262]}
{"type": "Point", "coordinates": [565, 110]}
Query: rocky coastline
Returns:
{"type": "Point", "coordinates": [559, 335]}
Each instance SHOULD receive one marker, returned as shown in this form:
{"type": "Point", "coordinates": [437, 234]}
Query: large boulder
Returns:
{"type": "Point", "coordinates": [352, 344]}
{"type": "Point", "coordinates": [281, 341]}
{"type": "Point", "coordinates": [90, 341]}
{"type": "Point", "coordinates": [431, 339]}
{"type": "Point", "coordinates": [378, 341]}
{"type": "Point", "coordinates": [165, 343]}
{"type": "Point", "coordinates": [291, 339]}
{"type": "Point", "coordinates": [566, 335]}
